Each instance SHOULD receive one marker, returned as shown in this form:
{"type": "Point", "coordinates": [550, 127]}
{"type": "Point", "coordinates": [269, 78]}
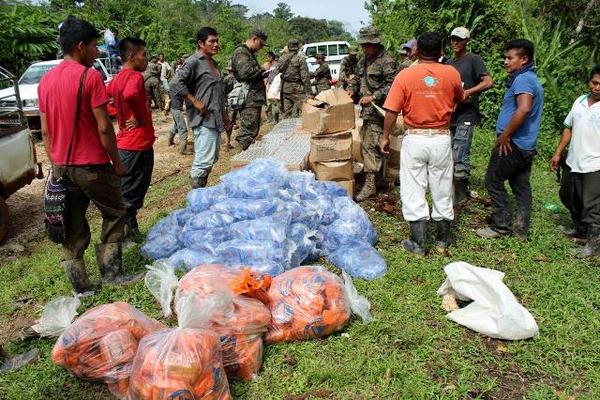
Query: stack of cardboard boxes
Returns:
{"type": "Point", "coordinates": [330, 120]}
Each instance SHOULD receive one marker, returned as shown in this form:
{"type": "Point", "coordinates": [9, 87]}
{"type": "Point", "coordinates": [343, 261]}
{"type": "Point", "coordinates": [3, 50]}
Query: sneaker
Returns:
{"type": "Point", "coordinates": [488, 233]}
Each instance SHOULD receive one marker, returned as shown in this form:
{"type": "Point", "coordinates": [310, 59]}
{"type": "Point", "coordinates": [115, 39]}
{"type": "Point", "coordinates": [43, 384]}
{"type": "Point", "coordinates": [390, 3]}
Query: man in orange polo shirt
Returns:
{"type": "Point", "coordinates": [426, 95]}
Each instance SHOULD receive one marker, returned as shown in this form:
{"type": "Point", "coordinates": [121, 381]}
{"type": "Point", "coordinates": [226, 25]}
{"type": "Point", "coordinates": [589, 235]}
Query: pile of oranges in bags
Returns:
{"type": "Point", "coordinates": [101, 344]}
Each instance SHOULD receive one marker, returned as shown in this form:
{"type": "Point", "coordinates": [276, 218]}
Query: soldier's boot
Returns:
{"type": "Point", "coordinates": [109, 259]}
{"type": "Point", "coordinates": [369, 189]}
{"type": "Point", "coordinates": [199, 182]}
{"type": "Point", "coordinates": [442, 238]}
{"type": "Point", "coordinates": [461, 192]}
{"type": "Point", "coordinates": [578, 232]}
{"type": "Point", "coordinates": [183, 148]}
{"type": "Point", "coordinates": [592, 247]}
{"type": "Point", "coordinates": [228, 137]}
{"type": "Point", "coordinates": [78, 276]}
{"type": "Point", "coordinates": [8, 364]}
{"type": "Point", "coordinates": [418, 236]}
{"type": "Point", "coordinates": [171, 137]}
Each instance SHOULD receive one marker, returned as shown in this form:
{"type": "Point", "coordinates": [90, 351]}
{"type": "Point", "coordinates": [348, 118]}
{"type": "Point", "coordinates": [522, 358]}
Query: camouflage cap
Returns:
{"type": "Point", "coordinates": [352, 50]}
{"type": "Point", "coordinates": [261, 35]}
{"type": "Point", "coordinates": [369, 34]}
{"type": "Point", "coordinates": [293, 45]}
{"type": "Point", "coordinates": [320, 56]}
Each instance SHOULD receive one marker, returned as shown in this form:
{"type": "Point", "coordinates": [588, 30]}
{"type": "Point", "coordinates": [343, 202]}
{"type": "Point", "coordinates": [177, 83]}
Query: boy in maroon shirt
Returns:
{"type": "Point", "coordinates": [92, 169]}
{"type": "Point", "coordinates": [136, 132]}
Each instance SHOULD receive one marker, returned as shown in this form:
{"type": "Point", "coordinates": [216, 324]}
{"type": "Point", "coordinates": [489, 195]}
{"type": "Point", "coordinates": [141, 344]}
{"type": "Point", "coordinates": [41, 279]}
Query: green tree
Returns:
{"type": "Point", "coordinates": [283, 11]}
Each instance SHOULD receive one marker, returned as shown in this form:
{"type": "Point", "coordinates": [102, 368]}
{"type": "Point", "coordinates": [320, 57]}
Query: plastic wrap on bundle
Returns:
{"type": "Point", "coordinates": [205, 238]}
{"type": "Point", "coordinates": [273, 228]}
{"type": "Point", "coordinates": [324, 207]}
{"type": "Point", "coordinates": [344, 231]}
{"type": "Point", "coordinates": [260, 179]}
{"type": "Point", "coordinates": [167, 225]}
{"type": "Point", "coordinates": [209, 219]}
{"type": "Point", "coordinates": [241, 326]}
{"type": "Point", "coordinates": [302, 182]}
{"type": "Point", "coordinates": [162, 246]}
{"type": "Point", "coordinates": [182, 363]}
{"type": "Point", "coordinates": [255, 254]}
{"type": "Point", "coordinates": [359, 259]}
{"type": "Point", "coordinates": [242, 209]}
{"type": "Point", "coordinates": [204, 198]}
{"type": "Point", "coordinates": [330, 189]}
{"type": "Point", "coordinates": [101, 344]}
{"type": "Point", "coordinates": [310, 302]}
{"type": "Point", "coordinates": [301, 236]}
{"type": "Point", "coordinates": [182, 215]}
{"type": "Point", "coordinates": [188, 259]}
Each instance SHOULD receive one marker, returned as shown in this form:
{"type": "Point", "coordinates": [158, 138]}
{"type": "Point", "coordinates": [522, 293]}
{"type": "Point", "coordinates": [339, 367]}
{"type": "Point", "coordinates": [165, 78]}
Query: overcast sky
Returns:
{"type": "Point", "coordinates": [351, 12]}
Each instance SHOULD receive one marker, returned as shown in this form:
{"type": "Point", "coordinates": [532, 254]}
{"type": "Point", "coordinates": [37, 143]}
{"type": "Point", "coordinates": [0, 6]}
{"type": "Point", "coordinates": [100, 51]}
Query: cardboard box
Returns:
{"type": "Point", "coordinates": [333, 147]}
{"type": "Point", "coordinates": [348, 185]}
{"type": "Point", "coordinates": [333, 170]}
{"type": "Point", "coordinates": [398, 129]}
{"type": "Point", "coordinates": [395, 147]}
{"type": "Point", "coordinates": [330, 112]}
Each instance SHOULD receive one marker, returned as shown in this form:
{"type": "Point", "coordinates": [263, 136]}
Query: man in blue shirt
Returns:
{"type": "Point", "coordinates": [517, 132]}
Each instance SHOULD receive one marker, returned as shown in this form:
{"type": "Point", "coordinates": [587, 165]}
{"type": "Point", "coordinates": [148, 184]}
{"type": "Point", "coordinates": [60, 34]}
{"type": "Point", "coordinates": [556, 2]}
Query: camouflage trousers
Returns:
{"type": "Point", "coordinates": [249, 126]}
{"type": "Point", "coordinates": [273, 111]}
{"type": "Point", "coordinates": [154, 92]}
{"type": "Point", "coordinates": [371, 133]}
{"type": "Point", "coordinates": [291, 105]}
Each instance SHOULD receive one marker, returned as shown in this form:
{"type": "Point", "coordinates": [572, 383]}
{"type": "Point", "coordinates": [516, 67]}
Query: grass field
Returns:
{"type": "Point", "coordinates": [410, 350]}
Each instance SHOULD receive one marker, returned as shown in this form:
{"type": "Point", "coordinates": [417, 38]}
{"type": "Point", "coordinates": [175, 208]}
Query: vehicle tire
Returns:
{"type": "Point", "coordinates": [3, 219]}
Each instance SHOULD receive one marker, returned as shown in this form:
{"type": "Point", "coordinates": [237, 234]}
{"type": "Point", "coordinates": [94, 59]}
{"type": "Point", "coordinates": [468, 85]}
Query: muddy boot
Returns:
{"type": "Point", "coordinates": [171, 137]}
{"type": "Point", "coordinates": [461, 192]}
{"type": "Point", "coordinates": [199, 182]}
{"type": "Point", "coordinates": [109, 259]}
{"type": "Point", "coordinates": [368, 189]}
{"type": "Point", "coordinates": [78, 276]}
{"type": "Point", "coordinates": [418, 236]}
{"type": "Point", "coordinates": [577, 233]}
{"type": "Point", "coordinates": [442, 238]}
{"type": "Point", "coordinates": [183, 149]}
{"type": "Point", "coordinates": [9, 364]}
{"type": "Point", "coordinates": [592, 247]}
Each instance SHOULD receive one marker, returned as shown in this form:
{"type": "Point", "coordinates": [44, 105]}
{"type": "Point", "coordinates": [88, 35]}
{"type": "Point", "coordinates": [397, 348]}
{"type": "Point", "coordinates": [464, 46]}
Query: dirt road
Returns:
{"type": "Point", "coordinates": [25, 206]}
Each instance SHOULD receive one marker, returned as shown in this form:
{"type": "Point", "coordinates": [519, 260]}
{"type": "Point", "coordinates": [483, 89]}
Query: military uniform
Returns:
{"type": "Point", "coordinates": [246, 69]}
{"type": "Point", "coordinates": [374, 78]}
{"type": "Point", "coordinates": [295, 80]}
{"type": "Point", "coordinates": [322, 76]}
{"type": "Point", "coordinates": [229, 81]}
{"type": "Point", "coordinates": [152, 83]}
{"type": "Point", "coordinates": [348, 69]}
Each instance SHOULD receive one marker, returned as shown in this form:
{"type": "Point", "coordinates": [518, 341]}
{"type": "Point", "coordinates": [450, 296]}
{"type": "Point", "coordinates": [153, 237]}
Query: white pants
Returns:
{"type": "Point", "coordinates": [426, 160]}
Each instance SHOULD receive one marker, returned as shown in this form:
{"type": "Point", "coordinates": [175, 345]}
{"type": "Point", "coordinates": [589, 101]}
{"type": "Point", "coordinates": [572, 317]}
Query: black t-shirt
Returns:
{"type": "Point", "coordinates": [471, 67]}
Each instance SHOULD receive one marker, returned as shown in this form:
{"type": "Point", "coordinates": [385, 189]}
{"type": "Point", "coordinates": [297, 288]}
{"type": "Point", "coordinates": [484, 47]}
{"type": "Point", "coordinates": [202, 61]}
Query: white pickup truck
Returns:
{"type": "Point", "coordinates": [18, 161]}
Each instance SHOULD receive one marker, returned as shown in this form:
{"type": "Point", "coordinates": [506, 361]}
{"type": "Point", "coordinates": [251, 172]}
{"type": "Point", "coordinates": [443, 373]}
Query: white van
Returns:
{"type": "Point", "coordinates": [334, 52]}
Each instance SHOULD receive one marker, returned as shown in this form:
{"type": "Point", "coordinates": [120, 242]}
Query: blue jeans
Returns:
{"type": "Point", "coordinates": [179, 125]}
{"type": "Point", "coordinates": [462, 136]}
{"type": "Point", "coordinates": [207, 143]}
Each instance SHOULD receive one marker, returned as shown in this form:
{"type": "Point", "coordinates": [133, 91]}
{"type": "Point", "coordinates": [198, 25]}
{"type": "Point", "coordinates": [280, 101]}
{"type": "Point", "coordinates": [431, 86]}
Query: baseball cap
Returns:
{"type": "Point", "coordinates": [261, 35]}
{"type": "Point", "coordinates": [461, 32]}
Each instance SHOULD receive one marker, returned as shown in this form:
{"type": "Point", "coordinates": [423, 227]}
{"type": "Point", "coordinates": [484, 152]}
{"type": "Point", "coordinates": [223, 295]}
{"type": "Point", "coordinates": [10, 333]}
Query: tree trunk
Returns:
{"type": "Point", "coordinates": [587, 10]}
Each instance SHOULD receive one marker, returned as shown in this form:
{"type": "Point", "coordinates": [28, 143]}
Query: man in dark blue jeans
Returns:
{"type": "Point", "coordinates": [476, 80]}
{"type": "Point", "coordinates": [517, 132]}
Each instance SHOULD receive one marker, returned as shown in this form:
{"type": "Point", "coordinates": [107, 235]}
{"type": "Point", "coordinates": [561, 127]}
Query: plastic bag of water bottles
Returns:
{"type": "Point", "coordinates": [342, 232]}
{"type": "Point", "coordinates": [242, 209]}
{"type": "Point", "coordinates": [199, 239]}
{"type": "Point", "coordinates": [181, 215]}
{"type": "Point", "coordinates": [260, 179]}
{"type": "Point", "coordinates": [359, 259]}
{"type": "Point", "coordinates": [161, 246]}
{"type": "Point", "coordinates": [330, 189]}
{"type": "Point", "coordinates": [209, 219]}
{"type": "Point", "coordinates": [252, 252]}
{"type": "Point", "coordinates": [266, 228]}
{"type": "Point", "coordinates": [300, 235]}
{"type": "Point", "coordinates": [188, 259]}
{"type": "Point", "coordinates": [203, 198]}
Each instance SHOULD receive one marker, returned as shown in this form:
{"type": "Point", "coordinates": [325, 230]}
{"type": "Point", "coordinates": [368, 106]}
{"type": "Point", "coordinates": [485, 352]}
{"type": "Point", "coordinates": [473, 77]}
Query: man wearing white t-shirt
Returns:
{"type": "Point", "coordinates": [580, 184]}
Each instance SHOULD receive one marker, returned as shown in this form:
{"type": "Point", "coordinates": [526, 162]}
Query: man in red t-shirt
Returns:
{"type": "Point", "coordinates": [87, 169]}
{"type": "Point", "coordinates": [426, 95]}
{"type": "Point", "coordinates": [136, 132]}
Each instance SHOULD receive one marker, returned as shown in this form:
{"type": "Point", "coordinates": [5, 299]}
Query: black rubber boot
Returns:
{"type": "Point", "coordinates": [592, 247]}
{"type": "Point", "coordinates": [78, 276]}
{"type": "Point", "coordinates": [418, 236]}
{"type": "Point", "coordinates": [199, 182]}
{"type": "Point", "coordinates": [461, 192]}
{"type": "Point", "coordinates": [109, 259]}
{"type": "Point", "coordinates": [442, 238]}
{"type": "Point", "coordinates": [170, 138]}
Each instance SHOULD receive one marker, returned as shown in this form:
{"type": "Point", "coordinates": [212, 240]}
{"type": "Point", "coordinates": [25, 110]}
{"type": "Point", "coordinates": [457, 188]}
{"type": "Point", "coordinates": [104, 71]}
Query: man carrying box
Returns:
{"type": "Point", "coordinates": [426, 95]}
{"type": "Point", "coordinates": [376, 70]}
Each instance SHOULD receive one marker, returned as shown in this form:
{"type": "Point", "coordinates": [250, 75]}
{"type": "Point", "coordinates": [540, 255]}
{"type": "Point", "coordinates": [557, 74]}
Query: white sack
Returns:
{"type": "Point", "coordinates": [274, 92]}
{"type": "Point", "coordinates": [495, 311]}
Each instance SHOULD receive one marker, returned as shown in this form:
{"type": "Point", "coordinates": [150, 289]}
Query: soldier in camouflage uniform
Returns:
{"type": "Point", "coordinates": [348, 68]}
{"type": "Point", "coordinates": [375, 73]}
{"type": "Point", "coordinates": [295, 80]}
{"type": "Point", "coordinates": [152, 82]}
{"type": "Point", "coordinates": [229, 81]}
{"type": "Point", "coordinates": [246, 69]}
{"type": "Point", "coordinates": [322, 74]}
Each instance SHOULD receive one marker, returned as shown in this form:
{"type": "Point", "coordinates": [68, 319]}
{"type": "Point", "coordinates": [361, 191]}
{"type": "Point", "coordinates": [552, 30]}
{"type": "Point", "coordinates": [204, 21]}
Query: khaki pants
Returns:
{"type": "Point", "coordinates": [99, 184]}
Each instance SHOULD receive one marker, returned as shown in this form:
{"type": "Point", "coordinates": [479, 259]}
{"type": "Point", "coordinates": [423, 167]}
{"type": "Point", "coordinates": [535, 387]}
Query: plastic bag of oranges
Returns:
{"type": "Point", "coordinates": [101, 344]}
{"type": "Point", "coordinates": [310, 302]}
{"type": "Point", "coordinates": [185, 362]}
